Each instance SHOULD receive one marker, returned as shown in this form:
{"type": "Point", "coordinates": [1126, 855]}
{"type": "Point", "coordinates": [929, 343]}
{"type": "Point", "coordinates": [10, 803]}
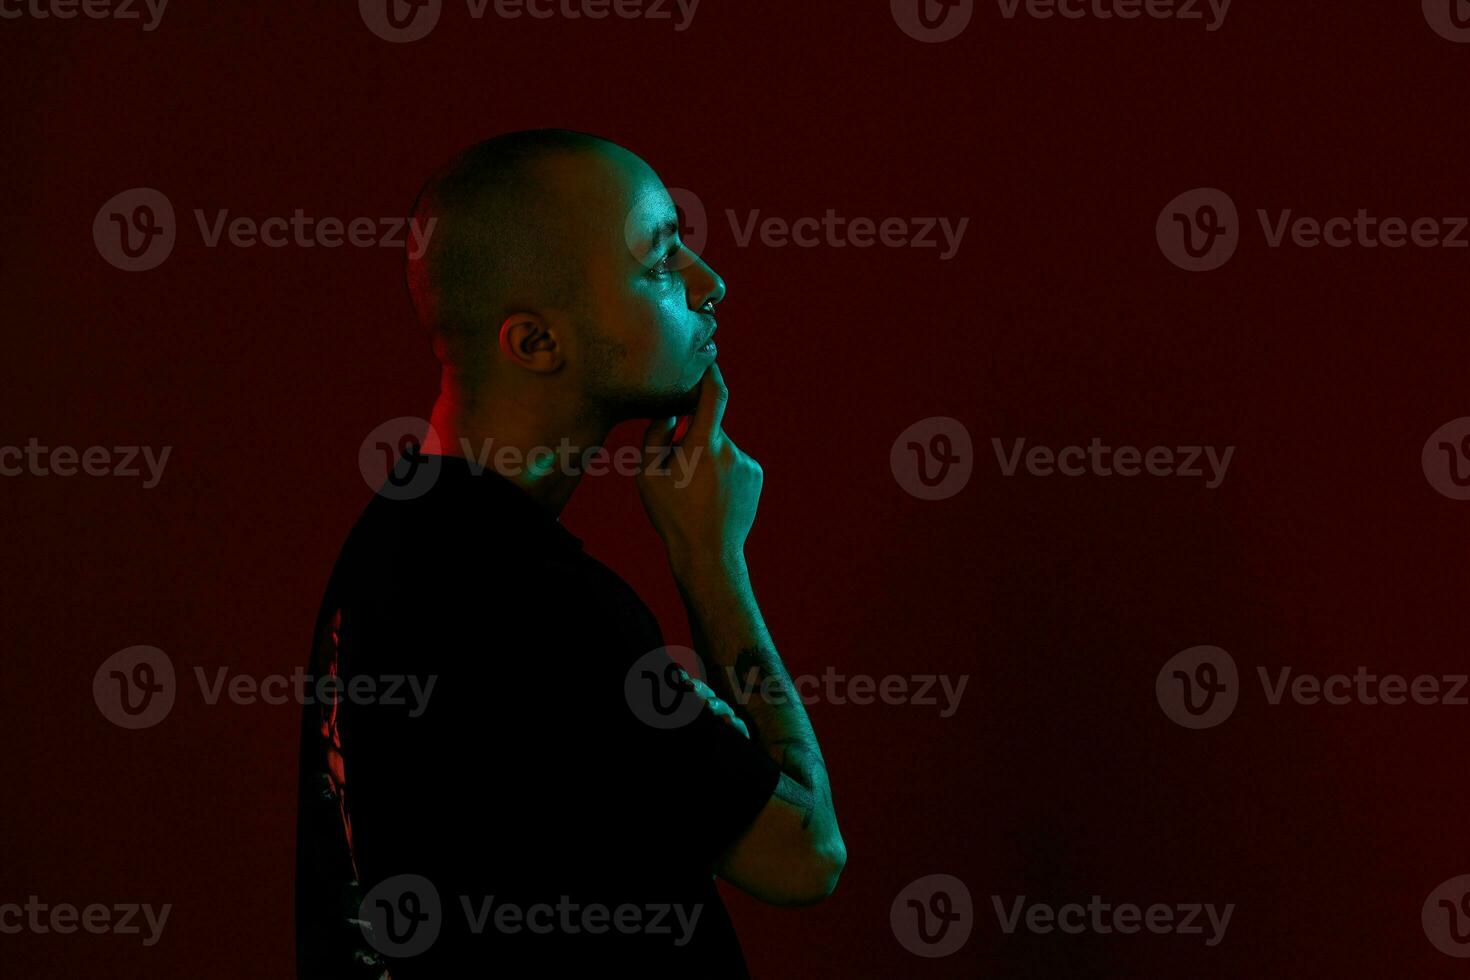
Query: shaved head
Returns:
{"type": "Point", "coordinates": [555, 272]}
{"type": "Point", "coordinates": [501, 242]}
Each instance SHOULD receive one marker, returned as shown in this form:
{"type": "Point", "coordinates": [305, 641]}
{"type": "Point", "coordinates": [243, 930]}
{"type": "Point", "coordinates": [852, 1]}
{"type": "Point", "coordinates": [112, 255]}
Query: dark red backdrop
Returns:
{"type": "Point", "coordinates": [1059, 320]}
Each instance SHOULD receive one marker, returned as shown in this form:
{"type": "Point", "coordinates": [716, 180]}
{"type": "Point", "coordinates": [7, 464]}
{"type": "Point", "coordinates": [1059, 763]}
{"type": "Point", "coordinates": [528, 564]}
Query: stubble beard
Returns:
{"type": "Point", "coordinates": [620, 401]}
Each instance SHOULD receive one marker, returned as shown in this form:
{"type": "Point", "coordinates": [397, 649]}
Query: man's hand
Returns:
{"type": "Point", "coordinates": [721, 710]}
{"type": "Point", "coordinates": [793, 853]}
{"type": "Point", "coordinates": [705, 521]}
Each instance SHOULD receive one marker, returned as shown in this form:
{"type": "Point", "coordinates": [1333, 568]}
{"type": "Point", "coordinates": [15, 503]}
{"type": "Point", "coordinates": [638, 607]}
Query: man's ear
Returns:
{"type": "Point", "coordinates": [528, 341]}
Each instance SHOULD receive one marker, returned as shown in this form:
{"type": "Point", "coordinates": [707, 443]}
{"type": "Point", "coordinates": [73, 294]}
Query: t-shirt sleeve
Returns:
{"type": "Point", "coordinates": [687, 770]}
{"type": "Point", "coordinates": [581, 714]}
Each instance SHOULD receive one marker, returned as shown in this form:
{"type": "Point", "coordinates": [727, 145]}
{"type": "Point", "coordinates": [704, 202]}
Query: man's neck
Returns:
{"type": "Point", "coordinates": [531, 445]}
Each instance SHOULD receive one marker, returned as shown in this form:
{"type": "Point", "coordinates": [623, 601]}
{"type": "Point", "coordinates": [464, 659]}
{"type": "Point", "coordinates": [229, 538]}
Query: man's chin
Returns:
{"type": "Point", "coordinates": [664, 405]}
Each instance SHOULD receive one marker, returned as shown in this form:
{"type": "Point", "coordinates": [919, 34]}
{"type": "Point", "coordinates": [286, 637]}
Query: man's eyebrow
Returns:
{"type": "Point", "coordinates": [669, 229]}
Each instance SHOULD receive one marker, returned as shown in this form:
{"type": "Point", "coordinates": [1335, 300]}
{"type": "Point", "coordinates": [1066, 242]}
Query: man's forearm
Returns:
{"type": "Point", "coordinates": [748, 674]}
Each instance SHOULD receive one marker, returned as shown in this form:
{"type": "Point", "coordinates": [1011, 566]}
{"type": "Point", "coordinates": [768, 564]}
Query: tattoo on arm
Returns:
{"type": "Point", "coordinates": [803, 765]}
{"type": "Point", "coordinates": [768, 693]}
{"type": "Point", "coordinates": [799, 797]}
{"type": "Point", "coordinates": [753, 670]}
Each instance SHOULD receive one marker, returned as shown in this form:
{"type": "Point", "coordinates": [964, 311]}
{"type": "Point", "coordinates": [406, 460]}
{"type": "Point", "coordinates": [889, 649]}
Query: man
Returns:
{"type": "Point", "coordinates": [544, 804]}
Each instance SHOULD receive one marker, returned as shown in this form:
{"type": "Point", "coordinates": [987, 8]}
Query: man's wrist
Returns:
{"type": "Point", "coordinates": [700, 573]}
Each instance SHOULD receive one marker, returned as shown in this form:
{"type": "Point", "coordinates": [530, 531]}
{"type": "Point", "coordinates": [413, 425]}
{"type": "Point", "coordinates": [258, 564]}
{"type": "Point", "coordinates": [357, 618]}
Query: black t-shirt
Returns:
{"type": "Point", "coordinates": [526, 813]}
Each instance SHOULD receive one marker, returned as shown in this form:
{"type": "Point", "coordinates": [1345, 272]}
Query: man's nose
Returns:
{"type": "Point", "coordinates": [703, 284]}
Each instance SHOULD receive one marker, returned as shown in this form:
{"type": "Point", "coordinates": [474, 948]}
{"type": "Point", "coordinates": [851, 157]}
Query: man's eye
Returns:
{"type": "Point", "coordinates": [665, 264]}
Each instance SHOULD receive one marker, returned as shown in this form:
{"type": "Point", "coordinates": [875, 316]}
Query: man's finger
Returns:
{"type": "Point", "coordinates": [708, 416]}
{"type": "Point", "coordinates": [719, 708]}
{"type": "Point", "coordinates": [705, 691]}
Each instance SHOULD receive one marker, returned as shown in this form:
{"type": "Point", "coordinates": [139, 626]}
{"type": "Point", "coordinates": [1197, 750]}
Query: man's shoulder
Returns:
{"type": "Point", "coordinates": [488, 559]}
{"type": "Point", "coordinates": [435, 536]}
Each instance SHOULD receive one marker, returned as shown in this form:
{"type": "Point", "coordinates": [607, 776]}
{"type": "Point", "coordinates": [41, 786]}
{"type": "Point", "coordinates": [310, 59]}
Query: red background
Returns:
{"type": "Point", "coordinates": [1060, 320]}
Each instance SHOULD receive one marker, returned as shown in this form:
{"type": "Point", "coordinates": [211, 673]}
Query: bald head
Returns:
{"type": "Point", "coordinates": [507, 236]}
{"type": "Point", "coordinates": [555, 276]}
